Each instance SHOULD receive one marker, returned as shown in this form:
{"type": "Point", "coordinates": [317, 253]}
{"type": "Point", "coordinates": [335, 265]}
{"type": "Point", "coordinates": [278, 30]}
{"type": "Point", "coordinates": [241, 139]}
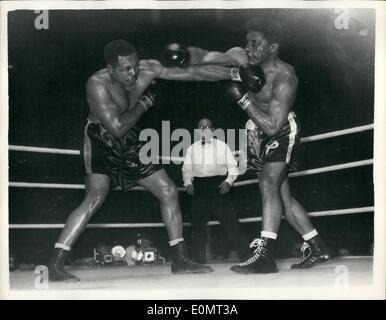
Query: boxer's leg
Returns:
{"type": "Point", "coordinates": [294, 212]}
{"type": "Point", "coordinates": [97, 187]}
{"type": "Point", "coordinates": [271, 179]}
{"type": "Point", "coordinates": [316, 250]}
{"type": "Point", "coordinates": [162, 187]}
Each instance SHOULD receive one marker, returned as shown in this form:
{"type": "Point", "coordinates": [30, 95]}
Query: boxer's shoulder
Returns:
{"type": "Point", "coordinates": [285, 75]}
{"type": "Point", "coordinates": [285, 86]}
{"type": "Point", "coordinates": [285, 81]}
{"type": "Point", "coordinates": [98, 78]}
{"type": "Point", "coordinates": [286, 71]}
{"type": "Point", "coordinates": [151, 66]}
{"type": "Point", "coordinates": [238, 54]}
{"type": "Point", "coordinates": [98, 85]}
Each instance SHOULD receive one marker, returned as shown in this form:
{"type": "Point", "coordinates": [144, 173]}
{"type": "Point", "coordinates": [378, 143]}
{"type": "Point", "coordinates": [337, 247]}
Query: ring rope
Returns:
{"type": "Point", "coordinates": [43, 150]}
{"type": "Point", "coordinates": [314, 171]}
{"type": "Point", "coordinates": [240, 183]}
{"type": "Point", "coordinates": [303, 140]}
{"type": "Point", "coordinates": [236, 184]}
{"type": "Point", "coordinates": [337, 133]}
{"type": "Point", "coordinates": [65, 186]}
{"type": "Point", "coordinates": [186, 224]}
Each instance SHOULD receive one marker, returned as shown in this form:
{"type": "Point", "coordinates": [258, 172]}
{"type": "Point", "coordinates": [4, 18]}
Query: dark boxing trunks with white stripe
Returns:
{"type": "Point", "coordinates": [117, 158]}
{"type": "Point", "coordinates": [281, 147]}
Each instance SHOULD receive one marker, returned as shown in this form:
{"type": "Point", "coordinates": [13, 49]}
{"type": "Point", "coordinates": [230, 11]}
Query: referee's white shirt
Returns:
{"type": "Point", "coordinates": [214, 158]}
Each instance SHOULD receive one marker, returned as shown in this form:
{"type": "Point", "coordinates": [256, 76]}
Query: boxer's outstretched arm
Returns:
{"type": "Point", "coordinates": [108, 112]}
{"type": "Point", "coordinates": [272, 121]}
{"type": "Point", "coordinates": [191, 73]}
{"type": "Point", "coordinates": [197, 73]}
{"type": "Point", "coordinates": [233, 57]}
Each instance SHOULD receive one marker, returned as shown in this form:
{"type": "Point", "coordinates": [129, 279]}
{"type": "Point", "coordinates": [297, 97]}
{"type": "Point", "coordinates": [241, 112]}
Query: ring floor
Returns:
{"type": "Point", "coordinates": [159, 277]}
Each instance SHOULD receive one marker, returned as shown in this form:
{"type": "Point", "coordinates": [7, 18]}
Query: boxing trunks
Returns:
{"type": "Point", "coordinates": [281, 147]}
{"type": "Point", "coordinates": [117, 158]}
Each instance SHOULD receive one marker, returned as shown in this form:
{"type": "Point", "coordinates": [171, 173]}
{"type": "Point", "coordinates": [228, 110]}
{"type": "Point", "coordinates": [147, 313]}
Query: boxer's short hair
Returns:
{"type": "Point", "coordinates": [271, 30]}
{"type": "Point", "coordinates": [117, 48]}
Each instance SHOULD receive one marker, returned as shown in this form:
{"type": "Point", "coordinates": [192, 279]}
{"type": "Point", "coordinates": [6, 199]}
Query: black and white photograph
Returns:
{"type": "Point", "coordinates": [192, 150]}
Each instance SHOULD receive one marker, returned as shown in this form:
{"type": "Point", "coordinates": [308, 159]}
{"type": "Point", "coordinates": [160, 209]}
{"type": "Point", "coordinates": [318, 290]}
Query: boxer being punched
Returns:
{"type": "Point", "coordinates": [118, 97]}
{"type": "Point", "coordinates": [268, 103]}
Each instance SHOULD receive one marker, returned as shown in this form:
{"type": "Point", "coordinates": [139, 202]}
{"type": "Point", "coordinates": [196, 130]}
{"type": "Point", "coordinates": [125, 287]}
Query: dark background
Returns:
{"type": "Point", "coordinates": [47, 108]}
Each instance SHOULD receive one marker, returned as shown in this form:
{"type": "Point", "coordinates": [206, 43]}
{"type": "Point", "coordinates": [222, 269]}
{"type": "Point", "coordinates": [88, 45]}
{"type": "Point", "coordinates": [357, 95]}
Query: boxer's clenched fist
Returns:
{"type": "Point", "coordinates": [147, 100]}
{"type": "Point", "coordinates": [239, 94]}
{"type": "Point", "coordinates": [176, 55]}
{"type": "Point", "coordinates": [252, 77]}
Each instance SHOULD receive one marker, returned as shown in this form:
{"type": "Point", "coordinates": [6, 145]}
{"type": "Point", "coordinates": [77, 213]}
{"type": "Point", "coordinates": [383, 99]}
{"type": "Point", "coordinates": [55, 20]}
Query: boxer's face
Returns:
{"type": "Point", "coordinates": [257, 48]}
{"type": "Point", "coordinates": [126, 71]}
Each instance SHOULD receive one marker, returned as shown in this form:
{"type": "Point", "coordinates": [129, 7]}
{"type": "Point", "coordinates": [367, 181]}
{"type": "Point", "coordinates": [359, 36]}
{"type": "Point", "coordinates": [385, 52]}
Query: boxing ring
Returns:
{"type": "Point", "coordinates": [154, 277]}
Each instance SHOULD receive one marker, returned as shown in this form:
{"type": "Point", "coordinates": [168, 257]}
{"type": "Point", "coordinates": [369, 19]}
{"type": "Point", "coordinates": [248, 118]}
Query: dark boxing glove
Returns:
{"type": "Point", "coordinates": [147, 100]}
{"type": "Point", "coordinates": [239, 94]}
{"type": "Point", "coordinates": [251, 76]}
{"type": "Point", "coordinates": [175, 55]}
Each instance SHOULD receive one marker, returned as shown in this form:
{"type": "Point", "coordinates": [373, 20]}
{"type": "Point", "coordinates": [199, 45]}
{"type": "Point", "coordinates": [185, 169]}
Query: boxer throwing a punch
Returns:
{"type": "Point", "coordinates": [268, 103]}
{"type": "Point", "coordinates": [118, 97]}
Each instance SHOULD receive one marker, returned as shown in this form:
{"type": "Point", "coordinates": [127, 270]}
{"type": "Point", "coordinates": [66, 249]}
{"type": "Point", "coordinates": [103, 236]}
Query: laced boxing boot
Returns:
{"type": "Point", "coordinates": [56, 269]}
{"type": "Point", "coordinates": [314, 251]}
{"type": "Point", "coordinates": [261, 261]}
{"type": "Point", "coordinates": [181, 264]}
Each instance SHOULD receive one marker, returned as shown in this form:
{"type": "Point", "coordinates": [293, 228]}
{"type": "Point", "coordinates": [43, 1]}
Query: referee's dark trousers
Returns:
{"type": "Point", "coordinates": [207, 202]}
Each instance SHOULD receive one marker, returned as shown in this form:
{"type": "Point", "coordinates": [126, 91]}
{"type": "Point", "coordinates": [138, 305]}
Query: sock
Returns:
{"type": "Point", "coordinates": [313, 233]}
{"type": "Point", "coordinates": [62, 246]}
{"type": "Point", "coordinates": [175, 241]}
{"type": "Point", "coordinates": [268, 234]}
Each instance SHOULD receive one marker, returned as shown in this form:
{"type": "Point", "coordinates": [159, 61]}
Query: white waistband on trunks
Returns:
{"type": "Point", "coordinates": [250, 125]}
{"type": "Point", "coordinates": [90, 121]}
{"type": "Point", "coordinates": [292, 135]}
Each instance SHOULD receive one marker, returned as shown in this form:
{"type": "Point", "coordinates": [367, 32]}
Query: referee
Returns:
{"type": "Point", "coordinates": [209, 170]}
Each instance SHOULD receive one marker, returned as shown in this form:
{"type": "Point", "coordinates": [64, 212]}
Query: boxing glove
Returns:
{"type": "Point", "coordinates": [176, 55]}
{"type": "Point", "coordinates": [251, 76]}
{"type": "Point", "coordinates": [239, 94]}
{"type": "Point", "coordinates": [147, 99]}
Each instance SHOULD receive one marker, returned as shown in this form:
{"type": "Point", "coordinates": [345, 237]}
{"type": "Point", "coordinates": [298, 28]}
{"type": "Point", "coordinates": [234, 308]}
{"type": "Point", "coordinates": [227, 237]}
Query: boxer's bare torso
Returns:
{"type": "Point", "coordinates": [125, 97]}
{"type": "Point", "coordinates": [274, 77]}
{"type": "Point", "coordinates": [108, 99]}
{"type": "Point", "coordinates": [277, 75]}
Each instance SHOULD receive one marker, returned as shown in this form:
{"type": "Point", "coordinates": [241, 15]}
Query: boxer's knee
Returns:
{"type": "Point", "coordinates": [169, 192]}
{"type": "Point", "coordinates": [93, 202]}
{"type": "Point", "coordinates": [268, 186]}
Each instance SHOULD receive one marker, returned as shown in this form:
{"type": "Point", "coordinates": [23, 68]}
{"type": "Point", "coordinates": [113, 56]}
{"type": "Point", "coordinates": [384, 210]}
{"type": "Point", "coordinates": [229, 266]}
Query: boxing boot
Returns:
{"type": "Point", "coordinates": [56, 270]}
{"type": "Point", "coordinates": [314, 251]}
{"type": "Point", "coordinates": [181, 264]}
{"type": "Point", "coordinates": [261, 261]}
